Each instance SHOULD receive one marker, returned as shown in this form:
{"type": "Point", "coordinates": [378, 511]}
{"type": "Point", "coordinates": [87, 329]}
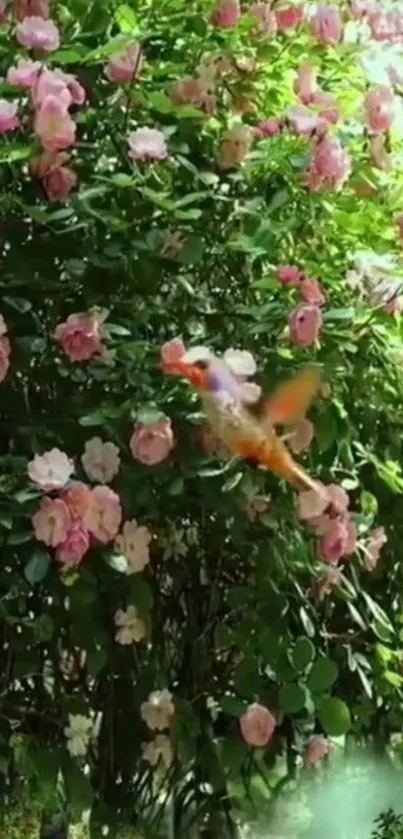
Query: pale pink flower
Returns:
{"type": "Point", "coordinates": [321, 524]}
{"type": "Point", "coordinates": [151, 443]}
{"type": "Point", "coordinates": [303, 121]}
{"type": "Point", "coordinates": [312, 291]}
{"type": "Point", "coordinates": [379, 108]}
{"type": "Point", "coordinates": [257, 725]}
{"type": "Point", "coordinates": [78, 498]}
{"type": "Point", "coordinates": [328, 581]}
{"type": "Point", "coordinates": [311, 504]}
{"type": "Point", "coordinates": [338, 499]}
{"type": "Point", "coordinates": [334, 542]}
{"type": "Point", "coordinates": [305, 85]}
{"type": "Point", "coordinates": [256, 506]}
{"type": "Point", "coordinates": [123, 67]}
{"type": "Point", "coordinates": [372, 549]}
{"type": "Point", "coordinates": [49, 83]}
{"type": "Point", "coordinates": [47, 162]}
{"type": "Point", "coordinates": [30, 8]}
{"type": "Point", "coordinates": [51, 522]}
{"type": "Point", "coordinates": [189, 91]}
{"type": "Point", "coordinates": [241, 362]}
{"type": "Point", "coordinates": [25, 74]}
{"type": "Point", "coordinates": [131, 629]}
{"type": "Point", "coordinates": [147, 144]}
{"type": "Point", "coordinates": [5, 350]}
{"type": "Point", "coordinates": [72, 550]}
{"type": "Point", "coordinates": [101, 461]}
{"type": "Point", "coordinates": [288, 274]}
{"type": "Point", "coordinates": [352, 536]}
{"type": "Point", "coordinates": [54, 125]}
{"type": "Point", "coordinates": [226, 14]}
{"type": "Point", "coordinates": [104, 515]}
{"type": "Point", "coordinates": [267, 21]}
{"type": "Point", "coordinates": [268, 127]}
{"type": "Point", "coordinates": [133, 542]}
{"type": "Point", "coordinates": [326, 25]}
{"type": "Point", "coordinates": [51, 470]}
{"type": "Point", "coordinates": [59, 183]}
{"type": "Point", "coordinates": [171, 352]}
{"type": "Point", "coordinates": [158, 749]}
{"type": "Point", "coordinates": [38, 33]}
{"type": "Point", "coordinates": [235, 145]}
{"type": "Point", "coordinates": [330, 165]}
{"type": "Point", "coordinates": [316, 750]}
{"type": "Point", "coordinates": [304, 324]}
{"type": "Point", "coordinates": [327, 106]}
{"type": "Point", "coordinates": [79, 336]}
{"type": "Point", "coordinates": [75, 88]}
{"type": "Point", "coordinates": [249, 392]}
{"type": "Point", "coordinates": [290, 17]}
{"type": "Point", "coordinates": [9, 120]}
{"type": "Point", "coordinates": [158, 711]}
{"type": "Point", "coordinates": [302, 435]}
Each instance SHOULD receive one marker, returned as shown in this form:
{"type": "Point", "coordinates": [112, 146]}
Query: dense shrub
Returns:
{"type": "Point", "coordinates": [231, 178]}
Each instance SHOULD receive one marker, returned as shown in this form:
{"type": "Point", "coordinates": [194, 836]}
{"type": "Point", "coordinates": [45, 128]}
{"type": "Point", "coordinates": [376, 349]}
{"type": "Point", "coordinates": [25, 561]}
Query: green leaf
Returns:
{"type": "Point", "coordinates": [117, 561]}
{"type": "Point", "coordinates": [303, 653]}
{"type": "Point", "coordinates": [43, 628]}
{"type": "Point", "coordinates": [92, 420]}
{"type": "Point", "coordinates": [192, 251]}
{"type": "Point", "coordinates": [232, 482]}
{"type": "Point", "coordinates": [37, 567]}
{"type": "Point", "coordinates": [126, 19]}
{"type": "Point", "coordinates": [140, 594]}
{"type": "Point", "coordinates": [149, 414]}
{"type": "Point", "coordinates": [233, 706]}
{"type": "Point", "coordinates": [291, 698]}
{"type": "Point", "coordinates": [334, 716]}
{"type": "Point", "coordinates": [96, 660]}
{"type": "Point", "coordinates": [20, 304]}
{"type": "Point", "coordinates": [339, 314]}
{"type": "Point", "coordinates": [322, 676]}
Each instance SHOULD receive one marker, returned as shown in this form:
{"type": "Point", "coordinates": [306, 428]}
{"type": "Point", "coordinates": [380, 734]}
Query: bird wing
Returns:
{"type": "Point", "coordinates": [292, 398]}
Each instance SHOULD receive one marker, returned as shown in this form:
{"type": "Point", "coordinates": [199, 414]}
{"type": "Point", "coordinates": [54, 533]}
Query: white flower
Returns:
{"type": "Point", "coordinates": [50, 470]}
{"type": "Point", "coordinates": [131, 627]}
{"type": "Point", "coordinates": [240, 362]}
{"type": "Point", "coordinates": [100, 460]}
{"type": "Point", "coordinates": [157, 749]}
{"type": "Point", "coordinates": [133, 543]}
{"type": "Point", "coordinates": [3, 326]}
{"type": "Point", "coordinates": [158, 711]}
{"type": "Point", "coordinates": [147, 144]}
{"type": "Point", "coordinates": [78, 734]}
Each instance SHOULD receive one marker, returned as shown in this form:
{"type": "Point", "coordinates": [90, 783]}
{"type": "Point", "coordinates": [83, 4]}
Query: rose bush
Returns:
{"type": "Point", "coordinates": [177, 174]}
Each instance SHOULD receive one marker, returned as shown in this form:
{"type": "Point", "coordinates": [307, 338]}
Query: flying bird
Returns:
{"type": "Point", "coordinates": [248, 430]}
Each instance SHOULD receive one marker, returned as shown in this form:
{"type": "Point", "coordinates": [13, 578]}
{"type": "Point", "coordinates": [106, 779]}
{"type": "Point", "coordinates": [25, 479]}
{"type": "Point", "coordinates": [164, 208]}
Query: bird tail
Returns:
{"type": "Point", "coordinates": [279, 460]}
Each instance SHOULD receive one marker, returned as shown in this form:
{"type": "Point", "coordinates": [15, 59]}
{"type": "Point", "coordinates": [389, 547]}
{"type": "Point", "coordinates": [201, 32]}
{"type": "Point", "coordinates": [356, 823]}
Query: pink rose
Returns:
{"type": "Point", "coordinates": [311, 504]}
{"type": "Point", "coordinates": [125, 66]}
{"type": "Point", "coordinates": [304, 324]}
{"type": "Point", "coordinates": [49, 83]}
{"type": "Point", "coordinates": [226, 14]}
{"type": "Point", "coordinates": [54, 125]}
{"type": "Point", "coordinates": [152, 443]}
{"type": "Point", "coordinates": [59, 183]}
{"type": "Point", "coordinates": [338, 499]}
{"type": "Point", "coordinates": [312, 292]}
{"type": "Point", "coordinates": [104, 515]}
{"type": "Point", "coordinates": [302, 436]}
{"type": "Point", "coordinates": [9, 120]}
{"type": "Point", "coordinates": [51, 521]}
{"type": "Point", "coordinates": [352, 536]}
{"type": "Point", "coordinates": [79, 336]}
{"type": "Point", "coordinates": [25, 74]}
{"type": "Point", "coordinates": [330, 165]}
{"type": "Point", "coordinates": [327, 106]}
{"type": "Point", "coordinates": [267, 21]}
{"type": "Point", "coordinates": [256, 506]}
{"type": "Point", "coordinates": [380, 157]}
{"type": "Point", "coordinates": [257, 725]}
{"type": "Point", "coordinates": [38, 33]}
{"type": "Point", "coordinates": [78, 499]}
{"type": "Point", "coordinates": [326, 25]}
{"type": "Point", "coordinates": [268, 127]}
{"type": "Point", "coordinates": [288, 274]}
{"type": "Point", "coordinates": [334, 542]}
{"type": "Point", "coordinates": [31, 8]}
{"type": "Point", "coordinates": [303, 121]}
{"type": "Point", "coordinates": [72, 550]}
{"type": "Point", "coordinates": [147, 144]}
{"type": "Point", "coordinates": [290, 17]}
{"type": "Point", "coordinates": [51, 470]}
{"type": "Point", "coordinates": [372, 549]}
{"type": "Point", "coordinates": [316, 750]}
{"type": "Point", "coordinates": [305, 85]}
{"type": "Point", "coordinates": [171, 352]}
{"type": "Point", "coordinates": [5, 350]}
{"type": "Point", "coordinates": [379, 108]}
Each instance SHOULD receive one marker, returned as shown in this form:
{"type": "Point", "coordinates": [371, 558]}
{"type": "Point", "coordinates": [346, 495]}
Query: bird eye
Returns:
{"type": "Point", "coordinates": [201, 365]}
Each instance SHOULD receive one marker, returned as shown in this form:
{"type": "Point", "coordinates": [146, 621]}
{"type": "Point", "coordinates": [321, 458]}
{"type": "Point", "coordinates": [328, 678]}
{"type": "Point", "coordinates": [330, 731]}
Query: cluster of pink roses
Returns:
{"type": "Point", "coordinates": [227, 13]}
{"type": "Point", "coordinates": [258, 725]}
{"type": "Point", "coordinates": [53, 93]}
{"type": "Point", "coordinates": [305, 320]}
{"type": "Point", "coordinates": [5, 349]}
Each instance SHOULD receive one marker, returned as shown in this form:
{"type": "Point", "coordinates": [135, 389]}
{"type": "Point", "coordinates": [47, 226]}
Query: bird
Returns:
{"type": "Point", "coordinates": [248, 430]}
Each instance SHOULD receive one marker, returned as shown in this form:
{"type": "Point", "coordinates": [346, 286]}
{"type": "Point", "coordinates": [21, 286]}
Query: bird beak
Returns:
{"type": "Point", "coordinates": [188, 371]}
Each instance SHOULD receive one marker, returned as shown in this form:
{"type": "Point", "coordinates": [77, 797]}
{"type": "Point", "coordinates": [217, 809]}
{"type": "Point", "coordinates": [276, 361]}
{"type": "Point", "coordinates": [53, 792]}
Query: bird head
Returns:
{"type": "Point", "coordinates": [205, 371]}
